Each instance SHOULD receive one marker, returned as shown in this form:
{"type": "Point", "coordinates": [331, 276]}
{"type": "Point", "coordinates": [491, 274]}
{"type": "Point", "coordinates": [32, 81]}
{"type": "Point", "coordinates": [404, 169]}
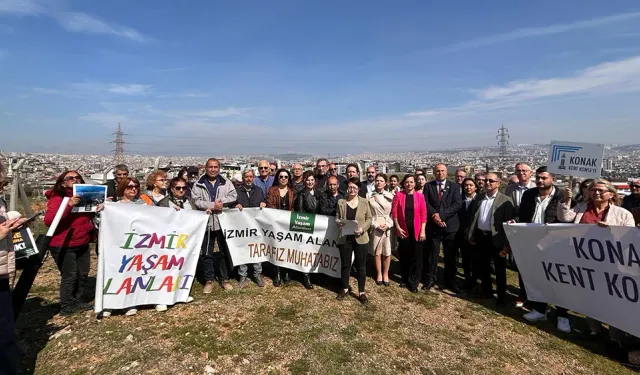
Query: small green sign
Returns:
{"type": "Point", "coordinates": [301, 222]}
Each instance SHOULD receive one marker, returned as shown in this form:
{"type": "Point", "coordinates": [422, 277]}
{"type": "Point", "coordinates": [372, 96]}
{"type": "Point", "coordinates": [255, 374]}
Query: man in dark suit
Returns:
{"type": "Point", "coordinates": [539, 205]}
{"type": "Point", "coordinates": [443, 200]}
{"type": "Point", "coordinates": [487, 233]}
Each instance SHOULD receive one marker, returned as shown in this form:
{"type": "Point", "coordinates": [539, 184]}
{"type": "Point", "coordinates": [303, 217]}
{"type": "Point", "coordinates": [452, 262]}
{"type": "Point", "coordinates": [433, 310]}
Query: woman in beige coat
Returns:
{"type": "Point", "coordinates": [380, 202]}
{"type": "Point", "coordinates": [354, 212]}
{"type": "Point", "coordinates": [600, 208]}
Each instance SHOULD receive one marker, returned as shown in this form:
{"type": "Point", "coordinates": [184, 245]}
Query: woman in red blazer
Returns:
{"type": "Point", "coordinates": [409, 212]}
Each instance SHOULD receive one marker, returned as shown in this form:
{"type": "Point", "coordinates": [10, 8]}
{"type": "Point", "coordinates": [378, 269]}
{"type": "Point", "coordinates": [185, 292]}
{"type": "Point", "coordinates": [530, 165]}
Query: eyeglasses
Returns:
{"type": "Point", "coordinates": [283, 177]}
{"type": "Point", "coordinates": [71, 178]}
{"type": "Point", "coordinates": [131, 187]}
{"type": "Point", "coordinates": [353, 188]}
{"type": "Point", "coordinates": [492, 181]}
{"type": "Point", "coordinates": [522, 170]}
{"type": "Point", "coordinates": [599, 191]}
{"type": "Point", "coordinates": [263, 168]}
{"type": "Point", "coordinates": [333, 169]}
{"type": "Point", "coordinates": [180, 188]}
{"type": "Point", "coordinates": [635, 187]}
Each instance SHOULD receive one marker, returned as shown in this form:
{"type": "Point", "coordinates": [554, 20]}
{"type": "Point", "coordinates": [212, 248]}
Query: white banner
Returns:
{"type": "Point", "coordinates": [575, 159]}
{"type": "Point", "coordinates": [585, 268]}
{"type": "Point", "coordinates": [148, 255]}
{"type": "Point", "coordinates": [302, 242]}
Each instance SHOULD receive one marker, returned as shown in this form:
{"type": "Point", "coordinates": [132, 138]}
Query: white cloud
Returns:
{"type": "Point", "coordinates": [219, 113]}
{"type": "Point", "coordinates": [20, 7]}
{"type": "Point", "coordinates": [129, 89]}
{"type": "Point", "coordinates": [83, 23]}
{"type": "Point", "coordinates": [529, 32]}
{"type": "Point", "coordinates": [77, 22]}
{"type": "Point", "coordinates": [603, 79]}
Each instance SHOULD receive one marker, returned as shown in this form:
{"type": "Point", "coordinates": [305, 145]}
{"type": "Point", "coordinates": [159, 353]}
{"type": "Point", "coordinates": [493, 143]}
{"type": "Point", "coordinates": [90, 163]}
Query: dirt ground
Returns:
{"type": "Point", "coordinates": [290, 330]}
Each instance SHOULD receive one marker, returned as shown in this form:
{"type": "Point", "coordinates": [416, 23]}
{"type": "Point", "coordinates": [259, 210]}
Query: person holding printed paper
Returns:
{"type": "Point", "coordinates": [250, 195]}
{"type": "Point", "coordinates": [600, 208]}
{"type": "Point", "coordinates": [409, 212]}
{"type": "Point", "coordinates": [380, 202]}
{"type": "Point", "coordinates": [69, 245]}
{"type": "Point", "coordinates": [281, 197]}
{"type": "Point", "coordinates": [353, 244]}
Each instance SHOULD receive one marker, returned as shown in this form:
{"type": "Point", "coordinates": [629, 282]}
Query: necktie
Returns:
{"type": "Point", "coordinates": [439, 191]}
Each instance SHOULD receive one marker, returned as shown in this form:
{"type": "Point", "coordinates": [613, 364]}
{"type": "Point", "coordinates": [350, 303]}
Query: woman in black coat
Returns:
{"type": "Point", "coordinates": [307, 202]}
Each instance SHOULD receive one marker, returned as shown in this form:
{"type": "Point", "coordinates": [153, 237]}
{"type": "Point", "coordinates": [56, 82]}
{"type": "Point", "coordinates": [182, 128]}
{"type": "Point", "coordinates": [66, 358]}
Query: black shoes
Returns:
{"type": "Point", "coordinates": [341, 295]}
{"type": "Point", "coordinates": [363, 299]}
{"type": "Point", "coordinates": [453, 289]}
{"type": "Point", "coordinates": [286, 278]}
{"type": "Point", "coordinates": [306, 281]}
{"type": "Point", "coordinates": [276, 280]}
{"type": "Point", "coordinates": [379, 282]}
{"type": "Point", "coordinates": [75, 308]}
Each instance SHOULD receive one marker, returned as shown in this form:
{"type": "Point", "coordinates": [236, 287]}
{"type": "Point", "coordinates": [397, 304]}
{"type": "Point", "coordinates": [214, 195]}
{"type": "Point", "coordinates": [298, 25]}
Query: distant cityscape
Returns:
{"type": "Point", "coordinates": [37, 172]}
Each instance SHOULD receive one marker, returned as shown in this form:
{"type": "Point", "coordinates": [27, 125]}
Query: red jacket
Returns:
{"type": "Point", "coordinates": [419, 211]}
{"type": "Point", "coordinates": [74, 229]}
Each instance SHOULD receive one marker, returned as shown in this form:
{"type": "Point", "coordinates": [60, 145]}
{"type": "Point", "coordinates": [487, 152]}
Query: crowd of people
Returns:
{"type": "Point", "coordinates": [411, 217]}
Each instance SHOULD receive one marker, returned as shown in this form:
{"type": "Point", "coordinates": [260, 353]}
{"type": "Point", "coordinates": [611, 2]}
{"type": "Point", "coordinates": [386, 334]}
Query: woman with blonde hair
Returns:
{"type": "Point", "coordinates": [156, 187]}
{"type": "Point", "coordinates": [601, 208]}
{"type": "Point", "coordinates": [380, 202]}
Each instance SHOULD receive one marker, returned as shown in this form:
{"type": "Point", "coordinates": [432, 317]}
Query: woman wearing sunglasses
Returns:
{"type": "Point", "coordinates": [156, 187]}
{"type": "Point", "coordinates": [69, 245]}
{"type": "Point", "coordinates": [177, 198]}
{"type": "Point", "coordinates": [281, 197]}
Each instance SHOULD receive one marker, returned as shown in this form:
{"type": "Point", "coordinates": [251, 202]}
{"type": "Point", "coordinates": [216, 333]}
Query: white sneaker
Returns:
{"type": "Point", "coordinates": [535, 316]}
{"type": "Point", "coordinates": [161, 308]}
{"type": "Point", "coordinates": [131, 312]}
{"type": "Point", "coordinates": [564, 325]}
{"type": "Point", "coordinates": [106, 313]}
{"type": "Point", "coordinates": [189, 299]}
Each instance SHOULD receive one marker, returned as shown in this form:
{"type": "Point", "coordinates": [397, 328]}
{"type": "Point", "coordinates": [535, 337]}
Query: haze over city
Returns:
{"type": "Point", "coordinates": [331, 77]}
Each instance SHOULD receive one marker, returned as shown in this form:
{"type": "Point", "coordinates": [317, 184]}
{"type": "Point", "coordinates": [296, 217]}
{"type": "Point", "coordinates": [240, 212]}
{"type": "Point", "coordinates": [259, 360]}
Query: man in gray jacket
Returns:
{"type": "Point", "coordinates": [212, 193]}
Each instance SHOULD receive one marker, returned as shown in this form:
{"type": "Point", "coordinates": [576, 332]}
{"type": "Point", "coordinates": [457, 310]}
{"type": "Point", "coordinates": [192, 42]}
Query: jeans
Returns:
{"type": "Point", "coordinates": [215, 263]}
{"type": "Point", "coordinates": [73, 263]}
{"type": "Point", "coordinates": [435, 238]}
{"type": "Point", "coordinates": [9, 352]}
{"type": "Point", "coordinates": [243, 269]}
{"type": "Point", "coordinates": [360, 262]}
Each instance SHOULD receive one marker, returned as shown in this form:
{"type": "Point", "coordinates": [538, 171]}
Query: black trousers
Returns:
{"type": "Point", "coordinates": [73, 263]}
{"type": "Point", "coordinates": [486, 251]}
{"type": "Point", "coordinates": [411, 254]}
{"type": "Point", "coordinates": [215, 264]}
{"type": "Point", "coordinates": [9, 352]}
{"type": "Point", "coordinates": [435, 238]}
{"type": "Point", "coordinates": [360, 262]}
{"type": "Point", "coordinates": [467, 251]}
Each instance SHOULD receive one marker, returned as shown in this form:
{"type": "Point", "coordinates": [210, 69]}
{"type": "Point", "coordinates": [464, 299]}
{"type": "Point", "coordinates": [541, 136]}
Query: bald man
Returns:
{"type": "Point", "coordinates": [265, 179]}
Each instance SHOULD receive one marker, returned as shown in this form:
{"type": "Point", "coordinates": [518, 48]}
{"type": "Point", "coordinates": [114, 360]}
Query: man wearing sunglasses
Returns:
{"type": "Point", "coordinates": [214, 192]}
{"type": "Point", "coordinates": [487, 233]}
{"type": "Point", "coordinates": [120, 172]}
{"type": "Point", "coordinates": [265, 179]}
{"type": "Point", "coordinates": [333, 171]}
{"type": "Point", "coordinates": [632, 201]}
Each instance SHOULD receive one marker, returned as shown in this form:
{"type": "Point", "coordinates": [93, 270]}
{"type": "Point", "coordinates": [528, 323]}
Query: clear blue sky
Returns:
{"type": "Point", "coordinates": [292, 76]}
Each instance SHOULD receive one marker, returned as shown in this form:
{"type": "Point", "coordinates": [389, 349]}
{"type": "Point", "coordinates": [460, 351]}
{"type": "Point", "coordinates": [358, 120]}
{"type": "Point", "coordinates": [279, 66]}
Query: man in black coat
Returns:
{"type": "Point", "coordinates": [120, 172]}
{"type": "Point", "coordinates": [250, 195]}
{"type": "Point", "coordinates": [539, 205]}
{"type": "Point", "coordinates": [328, 200]}
{"type": "Point", "coordinates": [444, 200]}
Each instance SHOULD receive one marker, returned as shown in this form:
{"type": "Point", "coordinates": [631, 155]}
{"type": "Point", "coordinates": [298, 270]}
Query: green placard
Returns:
{"type": "Point", "coordinates": [301, 222]}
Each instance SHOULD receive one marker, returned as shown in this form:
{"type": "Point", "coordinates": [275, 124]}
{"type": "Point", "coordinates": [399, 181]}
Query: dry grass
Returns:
{"type": "Point", "coordinates": [293, 331]}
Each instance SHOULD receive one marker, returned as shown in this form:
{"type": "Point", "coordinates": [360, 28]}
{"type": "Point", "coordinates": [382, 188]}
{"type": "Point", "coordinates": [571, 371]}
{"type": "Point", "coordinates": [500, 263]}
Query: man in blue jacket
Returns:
{"type": "Point", "coordinates": [249, 195]}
